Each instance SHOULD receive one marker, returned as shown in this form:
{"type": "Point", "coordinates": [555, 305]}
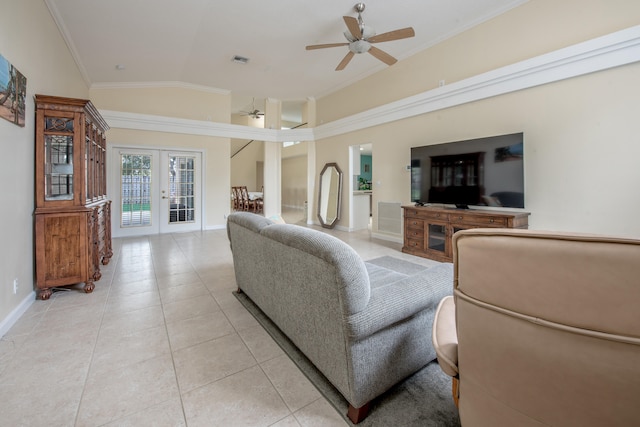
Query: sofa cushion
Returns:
{"type": "Point", "coordinates": [351, 273]}
{"type": "Point", "coordinates": [249, 221]}
{"type": "Point", "coordinates": [401, 299]}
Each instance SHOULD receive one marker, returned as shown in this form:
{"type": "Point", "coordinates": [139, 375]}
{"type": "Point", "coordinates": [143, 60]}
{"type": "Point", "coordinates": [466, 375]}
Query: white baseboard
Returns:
{"type": "Point", "coordinates": [17, 312]}
{"type": "Point", "coordinates": [388, 237]}
{"type": "Point", "coordinates": [216, 227]}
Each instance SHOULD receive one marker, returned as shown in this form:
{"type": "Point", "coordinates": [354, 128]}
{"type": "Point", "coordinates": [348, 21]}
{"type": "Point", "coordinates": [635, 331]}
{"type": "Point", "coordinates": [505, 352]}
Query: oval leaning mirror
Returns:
{"type": "Point", "coordinates": [330, 195]}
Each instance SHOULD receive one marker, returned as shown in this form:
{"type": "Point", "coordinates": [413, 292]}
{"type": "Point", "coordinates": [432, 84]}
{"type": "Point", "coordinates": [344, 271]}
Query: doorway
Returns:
{"type": "Point", "coordinates": [159, 191]}
{"type": "Point", "coordinates": [360, 186]}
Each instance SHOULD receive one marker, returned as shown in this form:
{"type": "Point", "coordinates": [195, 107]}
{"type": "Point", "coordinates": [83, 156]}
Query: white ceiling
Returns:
{"type": "Point", "coordinates": [193, 41]}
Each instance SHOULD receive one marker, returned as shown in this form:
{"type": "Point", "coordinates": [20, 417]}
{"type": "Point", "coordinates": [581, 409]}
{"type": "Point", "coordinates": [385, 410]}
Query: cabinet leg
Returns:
{"type": "Point", "coordinates": [89, 287]}
{"type": "Point", "coordinates": [44, 294]}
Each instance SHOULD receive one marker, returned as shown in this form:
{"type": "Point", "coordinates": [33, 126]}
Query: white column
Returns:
{"type": "Point", "coordinates": [311, 182]}
{"type": "Point", "coordinates": [309, 116]}
{"type": "Point", "coordinates": [272, 161]}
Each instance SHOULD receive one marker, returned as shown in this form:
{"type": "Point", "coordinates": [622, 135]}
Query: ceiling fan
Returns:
{"type": "Point", "coordinates": [255, 113]}
{"type": "Point", "coordinates": [361, 37]}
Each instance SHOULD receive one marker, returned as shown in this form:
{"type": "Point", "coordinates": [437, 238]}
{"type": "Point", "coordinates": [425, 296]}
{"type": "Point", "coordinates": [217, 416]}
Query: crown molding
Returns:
{"type": "Point", "coordinates": [613, 50]}
{"type": "Point", "coordinates": [55, 14]}
{"type": "Point", "coordinates": [149, 122]}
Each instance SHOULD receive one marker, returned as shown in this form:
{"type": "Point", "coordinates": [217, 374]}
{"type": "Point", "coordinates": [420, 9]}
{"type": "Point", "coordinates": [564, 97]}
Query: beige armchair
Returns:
{"type": "Point", "coordinates": [543, 329]}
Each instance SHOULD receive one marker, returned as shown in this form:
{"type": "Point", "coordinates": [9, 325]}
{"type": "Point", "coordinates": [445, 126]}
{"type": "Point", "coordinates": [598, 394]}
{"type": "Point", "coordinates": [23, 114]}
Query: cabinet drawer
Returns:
{"type": "Point", "coordinates": [410, 213]}
{"type": "Point", "coordinates": [414, 233]}
{"type": "Point", "coordinates": [415, 243]}
{"type": "Point", "coordinates": [479, 220]}
{"type": "Point", "coordinates": [416, 224]}
{"type": "Point", "coordinates": [425, 214]}
{"type": "Point", "coordinates": [442, 216]}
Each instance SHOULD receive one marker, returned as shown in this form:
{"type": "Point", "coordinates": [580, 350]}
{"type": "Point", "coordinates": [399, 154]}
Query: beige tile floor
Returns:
{"type": "Point", "coordinates": [160, 342]}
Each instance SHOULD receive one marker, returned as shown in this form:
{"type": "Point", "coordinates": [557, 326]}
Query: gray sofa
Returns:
{"type": "Point", "coordinates": [363, 326]}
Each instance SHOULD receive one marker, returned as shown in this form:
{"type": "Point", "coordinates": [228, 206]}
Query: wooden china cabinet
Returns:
{"type": "Point", "coordinates": [72, 215]}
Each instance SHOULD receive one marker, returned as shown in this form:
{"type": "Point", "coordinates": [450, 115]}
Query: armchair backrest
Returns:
{"type": "Point", "coordinates": [548, 328]}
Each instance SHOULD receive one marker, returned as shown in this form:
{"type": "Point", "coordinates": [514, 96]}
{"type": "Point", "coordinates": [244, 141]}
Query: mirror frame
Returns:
{"type": "Point", "coordinates": [323, 220]}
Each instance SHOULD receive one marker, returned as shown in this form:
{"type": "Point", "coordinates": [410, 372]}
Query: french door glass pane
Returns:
{"type": "Point", "coordinates": [136, 190]}
{"type": "Point", "coordinates": [182, 189]}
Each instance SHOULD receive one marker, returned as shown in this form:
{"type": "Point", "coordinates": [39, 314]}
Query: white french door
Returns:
{"type": "Point", "coordinates": [159, 191]}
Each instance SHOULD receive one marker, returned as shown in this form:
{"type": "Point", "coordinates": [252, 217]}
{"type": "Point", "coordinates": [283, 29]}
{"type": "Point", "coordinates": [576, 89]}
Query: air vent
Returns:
{"type": "Point", "coordinates": [390, 217]}
{"type": "Point", "coordinates": [240, 59]}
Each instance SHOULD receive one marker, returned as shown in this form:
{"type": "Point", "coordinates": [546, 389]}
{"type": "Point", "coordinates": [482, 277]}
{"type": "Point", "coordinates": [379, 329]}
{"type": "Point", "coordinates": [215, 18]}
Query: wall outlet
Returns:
{"type": "Point", "coordinates": [441, 83]}
{"type": "Point", "coordinates": [15, 286]}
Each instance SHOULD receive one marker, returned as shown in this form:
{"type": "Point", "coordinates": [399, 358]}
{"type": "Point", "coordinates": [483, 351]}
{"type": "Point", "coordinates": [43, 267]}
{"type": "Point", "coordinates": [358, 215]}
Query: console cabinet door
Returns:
{"type": "Point", "coordinates": [437, 243]}
{"type": "Point", "coordinates": [61, 250]}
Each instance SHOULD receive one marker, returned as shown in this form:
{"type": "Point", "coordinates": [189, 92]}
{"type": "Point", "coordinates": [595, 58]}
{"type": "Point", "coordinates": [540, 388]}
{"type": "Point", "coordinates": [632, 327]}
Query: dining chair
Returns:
{"type": "Point", "coordinates": [248, 203]}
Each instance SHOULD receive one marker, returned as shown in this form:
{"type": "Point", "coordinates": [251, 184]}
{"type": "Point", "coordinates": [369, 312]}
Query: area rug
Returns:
{"type": "Point", "coordinates": [424, 399]}
{"type": "Point", "coordinates": [399, 265]}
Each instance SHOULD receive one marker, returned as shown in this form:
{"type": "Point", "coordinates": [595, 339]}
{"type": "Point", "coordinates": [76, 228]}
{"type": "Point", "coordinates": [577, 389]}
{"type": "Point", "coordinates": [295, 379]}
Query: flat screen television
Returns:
{"type": "Point", "coordinates": [476, 172]}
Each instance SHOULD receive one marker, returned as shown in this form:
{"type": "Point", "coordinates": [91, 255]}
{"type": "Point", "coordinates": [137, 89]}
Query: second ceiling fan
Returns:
{"type": "Point", "coordinates": [360, 37]}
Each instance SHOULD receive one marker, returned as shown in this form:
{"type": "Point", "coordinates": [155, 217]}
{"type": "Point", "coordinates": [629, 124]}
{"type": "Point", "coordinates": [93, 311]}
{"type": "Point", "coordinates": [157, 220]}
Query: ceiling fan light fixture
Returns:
{"type": "Point", "coordinates": [360, 38]}
{"type": "Point", "coordinates": [359, 46]}
{"type": "Point", "coordinates": [349, 36]}
{"type": "Point", "coordinates": [366, 33]}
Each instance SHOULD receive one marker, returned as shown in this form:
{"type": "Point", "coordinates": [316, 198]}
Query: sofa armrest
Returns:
{"type": "Point", "coordinates": [444, 336]}
{"type": "Point", "coordinates": [402, 299]}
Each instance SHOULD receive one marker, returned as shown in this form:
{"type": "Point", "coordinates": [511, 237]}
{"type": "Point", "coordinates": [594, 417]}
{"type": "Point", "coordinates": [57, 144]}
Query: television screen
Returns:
{"type": "Point", "coordinates": [477, 172]}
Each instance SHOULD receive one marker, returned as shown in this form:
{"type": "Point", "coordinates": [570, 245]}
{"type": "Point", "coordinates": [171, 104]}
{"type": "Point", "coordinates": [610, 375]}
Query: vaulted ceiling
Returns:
{"type": "Point", "coordinates": [194, 41]}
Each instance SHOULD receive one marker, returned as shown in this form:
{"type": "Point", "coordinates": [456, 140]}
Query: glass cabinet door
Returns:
{"type": "Point", "coordinates": [58, 158]}
{"type": "Point", "coordinates": [436, 237]}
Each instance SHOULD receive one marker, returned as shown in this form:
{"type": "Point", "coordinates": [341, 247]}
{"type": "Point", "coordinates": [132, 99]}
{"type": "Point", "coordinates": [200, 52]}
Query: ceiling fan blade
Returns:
{"type": "Point", "coordinates": [322, 46]}
{"type": "Point", "coordinates": [382, 56]}
{"type": "Point", "coordinates": [353, 26]}
{"type": "Point", "coordinates": [403, 33]}
{"type": "Point", "coordinates": [345, 61]}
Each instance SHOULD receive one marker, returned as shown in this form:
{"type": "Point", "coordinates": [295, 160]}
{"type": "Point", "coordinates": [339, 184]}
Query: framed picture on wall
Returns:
{"type": "Point", "coordinates": [13, 92]}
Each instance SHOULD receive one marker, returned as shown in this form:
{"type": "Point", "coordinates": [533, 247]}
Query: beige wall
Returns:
{"type": "Point", "coordinates": [178, 102]}
{"type": "Point", "coordinates": [215, 159]}
{"type": "Point", "coordinates": [244, 165]}
{"type": "Point", "coordinates": [31, 42]}
{"type": "Point", "coordinates": [535, 28]}
{"type": "Point", "coordinates": [294, 175]}
{"type": "Point", "coordinates": [294, 182]}
{"type": "Point", "coordinates": [184, 104]}
{"type": "Point", "coordinates": [249, 160]}
{"type": "Point", "coordinates": [581, 135]}
{"type": "Point", "coordinates": [247, 164]}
